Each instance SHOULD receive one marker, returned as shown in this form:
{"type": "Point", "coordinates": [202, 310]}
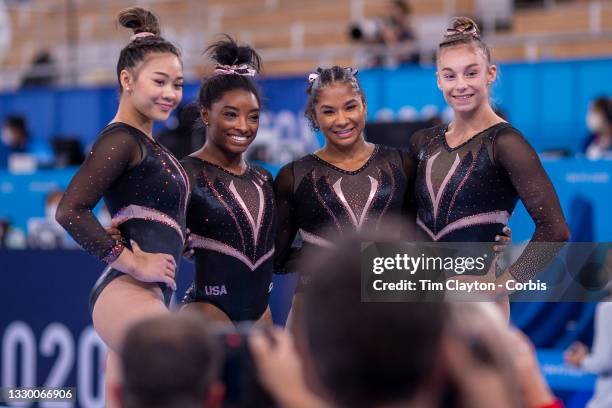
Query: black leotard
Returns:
{"type": "Point", "coordinates": [469, 192]}
{"type": "Point", "coordinates": [323, 202]}
{"type": "Point", "coordinates": [232, 222]}
{"type": "Point", "coordinates": [145, 189]}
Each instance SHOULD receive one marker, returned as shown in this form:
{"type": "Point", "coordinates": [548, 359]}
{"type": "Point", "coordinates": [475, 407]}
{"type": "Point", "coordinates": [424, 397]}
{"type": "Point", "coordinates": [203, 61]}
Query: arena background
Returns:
{"type": "Point", "coordinates": [555, 57]}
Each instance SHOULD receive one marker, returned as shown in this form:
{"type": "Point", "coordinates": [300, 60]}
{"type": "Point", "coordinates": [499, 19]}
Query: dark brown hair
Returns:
{"type": "Point", "coordinates": [227, 52]}
{"type": "Point", "coordinates": [139, 21]}
{"type": "Point", "coordinates": [604, 105]}
{"type": "Point", "coordinates": [366, 354]}
{"type": "Point", "coordinates": [323, 77]}
{"type": "Point", "coordinates": [169, 361]}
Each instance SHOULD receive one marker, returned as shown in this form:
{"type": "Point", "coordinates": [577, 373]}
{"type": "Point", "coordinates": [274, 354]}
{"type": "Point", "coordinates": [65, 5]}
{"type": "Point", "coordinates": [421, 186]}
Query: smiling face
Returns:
{"type": "Point", "coordinates": [155, 86]}
{"type": "Point", "coordinates": [233, 120]}
{"type": "Point", "coordinates": [464, 76]}
{"type": "Point", "coordinates": [340, 113]}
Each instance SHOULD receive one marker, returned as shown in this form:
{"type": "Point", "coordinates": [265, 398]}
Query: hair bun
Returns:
{"type": "Point", "coordinates": [227, 52]}
{"type": "Point", "coordinates": [462, 26]}
{"type": "Point", "coordinates": [139, 20]}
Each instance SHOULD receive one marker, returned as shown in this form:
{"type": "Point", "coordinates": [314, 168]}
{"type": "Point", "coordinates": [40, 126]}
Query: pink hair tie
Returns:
{"type": "Point", "coordinates": [469, 31]}
{"type": "Point", "coordinates": [141, 35]}
{"type": "Point", "coordinates": [243, 70]}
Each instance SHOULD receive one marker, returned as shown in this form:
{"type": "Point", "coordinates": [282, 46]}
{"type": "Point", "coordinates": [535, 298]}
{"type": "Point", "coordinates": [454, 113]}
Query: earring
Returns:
{"type": "Point", "coordinates": [205, 123]}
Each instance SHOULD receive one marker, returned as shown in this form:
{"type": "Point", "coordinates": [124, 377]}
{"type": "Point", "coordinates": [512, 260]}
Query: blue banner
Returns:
{"type": "Point", "coordinates": [45, 327]}
{"type": "Point", "coordinates": [546, 101]}
{"type": "Point", "coordinates": [583, 186]}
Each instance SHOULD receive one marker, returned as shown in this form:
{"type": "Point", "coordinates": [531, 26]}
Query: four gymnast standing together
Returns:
{"type": "Point", "coordinates": [458, 182]}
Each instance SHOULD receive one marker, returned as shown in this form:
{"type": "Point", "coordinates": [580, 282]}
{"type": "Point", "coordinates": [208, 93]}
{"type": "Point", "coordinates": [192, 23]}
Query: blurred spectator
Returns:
{"type": "Point", "coordinates": [169, 361]}
{"type": "Point", "coordinates": [599, 359]}
{"type": "Point", "coordinates": [42, 71]}
{"type": "Point", "coordinates": [51, 203]}
{"type": "Point", "coordinates": [45, 232]}
{"type": "Point", "coordinates": [599, 123]}
{"type": "Point", "coordinates": [68, 151]}
{"type": "Point", "coordinates": [530, 3]}
{"type": "Point", "coordinates": [394, 31]}
{"type": "Point", "coordinates": [4, 229]}
{"type": "Point", "coordinates": [17, 145]}
{"type": "Point", "coordinates": [494, 14]}
{"type": "Point", "coordinates": [11, 237]}
{"type": "Point", "coordinates": [183, 136]}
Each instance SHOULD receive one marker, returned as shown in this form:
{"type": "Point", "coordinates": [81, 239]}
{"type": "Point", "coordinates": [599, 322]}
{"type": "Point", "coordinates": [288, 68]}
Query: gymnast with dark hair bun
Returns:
{"type": "Point", "coordinates": [231, 214]}
{"type": "Point", "coordinates": [472, 172]}
{"type": "Point", "coordinates": [143, 185]}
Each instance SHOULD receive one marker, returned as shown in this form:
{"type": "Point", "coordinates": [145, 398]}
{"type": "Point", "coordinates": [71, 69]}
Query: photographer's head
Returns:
{"type": "Point", "coordinates": [359, 354]}
{"type": "Point", "coordinates": [170, 361]}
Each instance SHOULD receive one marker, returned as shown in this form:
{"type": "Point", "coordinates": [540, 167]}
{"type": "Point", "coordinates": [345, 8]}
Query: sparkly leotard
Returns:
{"type": "Point", "coordinates": [232, 222]}
{"type": "Point", "coordinates": [145, 190]}
{"type": "Point", "coordinates": [323, 202]}
{"type": "Point", "coordinates": [468, 193]}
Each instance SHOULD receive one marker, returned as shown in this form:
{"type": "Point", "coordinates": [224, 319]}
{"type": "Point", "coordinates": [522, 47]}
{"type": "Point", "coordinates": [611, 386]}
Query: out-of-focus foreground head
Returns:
{"type": "Point", "coordinates": [170, 361]}
{"type": "Point", "coordinates": [366, 354]}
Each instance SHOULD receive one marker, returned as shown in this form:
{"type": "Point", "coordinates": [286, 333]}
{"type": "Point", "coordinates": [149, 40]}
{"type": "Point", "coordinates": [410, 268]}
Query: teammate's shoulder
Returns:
{"type": "Point", "coordinates": [189, 162]}
{"type": "Point", "coordinates": [428, 132]}
{"type": "Point", "coordinates": [307, 159]}
{"type": "Point", "coordinates": [262, 172]}
{"type": "Point", "coordinates": [388, 152]}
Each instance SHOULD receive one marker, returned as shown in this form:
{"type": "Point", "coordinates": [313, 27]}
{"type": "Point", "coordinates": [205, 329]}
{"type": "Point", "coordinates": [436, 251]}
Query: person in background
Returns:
{"type": "Point", "coordinates": [42, 71]}
{"type": "Point", "coordinates": [181, 136]}
{"type": "Point", "coordinates": [599, 359]}
{"type": "Point", "coordinates": [45, 232]}
{"type": "Point", "coordinates": [11, 237]}
{"type": "Point", "coordinates": [393, 31]}
{"type": "Point", "coordinates": [599, 123]}
{"type": "Point", "coordinates": [15, 139]}
{"type": "Point", "coordinates": [398, 35]}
